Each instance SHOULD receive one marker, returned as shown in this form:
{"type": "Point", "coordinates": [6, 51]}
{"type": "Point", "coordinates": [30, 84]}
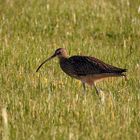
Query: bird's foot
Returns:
{"type": "Point", "coordinates": [101, 95]}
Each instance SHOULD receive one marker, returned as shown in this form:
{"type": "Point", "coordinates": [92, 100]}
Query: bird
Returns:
{"type": "Point", "coordinates": [89, 70]}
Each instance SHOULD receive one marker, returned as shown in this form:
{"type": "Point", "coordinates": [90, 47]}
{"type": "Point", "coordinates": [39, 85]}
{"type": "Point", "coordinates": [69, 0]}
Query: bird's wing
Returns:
{"type": "Point", "coordinates": [84, 65]}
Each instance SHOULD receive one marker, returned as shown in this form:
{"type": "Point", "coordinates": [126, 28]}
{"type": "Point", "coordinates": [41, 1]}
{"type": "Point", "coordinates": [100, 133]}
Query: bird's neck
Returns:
{"type": "Point", "coordinates": [62, 59]}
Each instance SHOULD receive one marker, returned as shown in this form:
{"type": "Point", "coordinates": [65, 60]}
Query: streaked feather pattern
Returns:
{"type": "Point", "coordinates": [85, 68]}
{"type": "Point", "coordinates": [84, 65]}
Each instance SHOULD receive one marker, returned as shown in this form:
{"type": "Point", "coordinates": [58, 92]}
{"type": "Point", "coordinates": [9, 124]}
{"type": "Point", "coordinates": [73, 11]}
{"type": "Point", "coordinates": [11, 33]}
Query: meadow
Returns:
{"type": "Point", "coordinates": [49, 105]}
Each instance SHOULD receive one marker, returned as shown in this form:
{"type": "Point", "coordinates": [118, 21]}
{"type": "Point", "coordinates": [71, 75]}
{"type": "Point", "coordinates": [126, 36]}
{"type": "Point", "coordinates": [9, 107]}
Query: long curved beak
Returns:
{"type": "Point", "coordinates": [54, 55]}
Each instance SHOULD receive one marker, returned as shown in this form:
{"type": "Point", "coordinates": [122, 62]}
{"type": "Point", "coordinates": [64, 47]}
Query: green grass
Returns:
{"type": "Point", "coordinates": [49, 104]}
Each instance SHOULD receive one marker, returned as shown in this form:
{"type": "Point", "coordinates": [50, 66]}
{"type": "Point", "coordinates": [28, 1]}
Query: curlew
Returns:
{"type": "Point", "coordinates": [87, 69]}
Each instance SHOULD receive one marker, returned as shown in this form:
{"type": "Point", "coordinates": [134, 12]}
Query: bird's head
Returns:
{"type": "Point", "coordinates": [60, 53]}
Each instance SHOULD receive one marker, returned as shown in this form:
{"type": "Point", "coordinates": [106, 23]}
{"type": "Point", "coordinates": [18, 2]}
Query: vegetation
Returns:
{"type": "Point", "coordinates": [49, 104]}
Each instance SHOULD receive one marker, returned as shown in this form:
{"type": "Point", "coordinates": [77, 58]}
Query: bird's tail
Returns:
{"type": "Point", "coordinates": [121, 72]}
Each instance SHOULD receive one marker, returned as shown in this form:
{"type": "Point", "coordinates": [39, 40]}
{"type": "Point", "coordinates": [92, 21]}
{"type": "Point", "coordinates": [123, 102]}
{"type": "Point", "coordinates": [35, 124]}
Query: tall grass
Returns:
{"type": "Point", "coordinates": [49, 104]}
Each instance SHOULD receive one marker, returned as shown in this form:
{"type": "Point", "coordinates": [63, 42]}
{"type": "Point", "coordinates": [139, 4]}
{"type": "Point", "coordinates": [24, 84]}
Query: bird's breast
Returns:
{"type": "Point", "coordinates": [68, 68]}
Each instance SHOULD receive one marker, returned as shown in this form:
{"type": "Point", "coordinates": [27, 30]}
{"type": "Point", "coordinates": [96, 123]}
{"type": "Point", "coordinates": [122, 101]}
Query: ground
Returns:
{"type": "Point", "coordinates": [49, 104]}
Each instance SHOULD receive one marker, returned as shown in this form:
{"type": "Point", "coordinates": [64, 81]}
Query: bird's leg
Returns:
{"type": "Point", "coordinates": [99, 93]}
{"type": "Point", "coordinates": [97, 90]}
{"type": "Point", "coordinates": [84, 87]}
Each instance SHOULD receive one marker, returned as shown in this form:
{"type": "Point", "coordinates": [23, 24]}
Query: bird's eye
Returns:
{"type": "Point", "coordinates": [58, 53]}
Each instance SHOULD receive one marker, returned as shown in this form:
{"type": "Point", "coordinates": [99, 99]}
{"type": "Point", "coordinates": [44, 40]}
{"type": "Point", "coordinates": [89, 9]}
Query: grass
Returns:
{"type": "Point", "coordinates": [49, 104]}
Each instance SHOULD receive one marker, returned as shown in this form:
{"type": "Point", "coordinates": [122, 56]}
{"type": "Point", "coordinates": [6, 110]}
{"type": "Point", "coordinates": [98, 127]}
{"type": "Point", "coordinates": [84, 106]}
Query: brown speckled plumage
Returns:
{"type": "Point", "coordinates": [85, 68]}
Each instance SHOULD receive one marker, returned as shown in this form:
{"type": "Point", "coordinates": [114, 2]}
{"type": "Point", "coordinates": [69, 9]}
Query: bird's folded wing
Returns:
{"type": "Point", "coordinates": [84, 65]}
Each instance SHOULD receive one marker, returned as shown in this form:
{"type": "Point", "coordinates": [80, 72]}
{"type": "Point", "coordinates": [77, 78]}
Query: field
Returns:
{"type": "Point", "coordinates": [49, 105]}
